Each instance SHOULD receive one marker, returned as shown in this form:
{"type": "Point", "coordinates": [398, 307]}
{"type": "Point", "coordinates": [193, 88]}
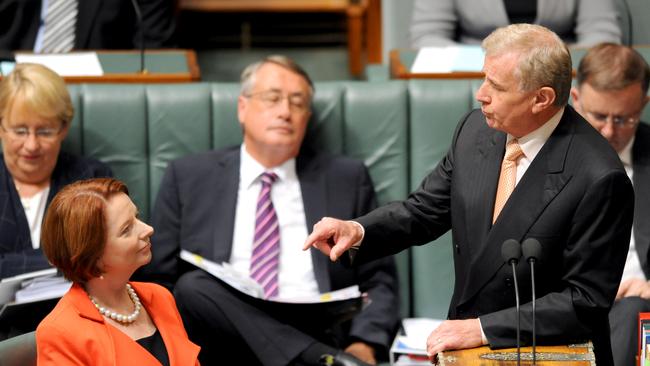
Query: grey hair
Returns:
{"type": "Point", "coordinates": [248, 75]}
{"type": "Point", "coordinates": [544, 58]}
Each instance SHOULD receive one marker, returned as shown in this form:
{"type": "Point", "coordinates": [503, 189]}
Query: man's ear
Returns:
{"type": "Point", "coordinates": [242, 105]}
{"type": "Point", "coordinates": [544, 98]}
{"type": "Point", "coordinates": [575, 98]}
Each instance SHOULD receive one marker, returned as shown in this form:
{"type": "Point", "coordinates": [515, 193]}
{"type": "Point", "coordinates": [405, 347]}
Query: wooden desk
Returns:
{"type": "Point", "coordinates": [361, 14]}
{"type": "Point", "coordinates": [574, 355]}
{"type": "Point", "coordinates": [162, 66]}
{"type": "Point", "coordinates": [401, 61]}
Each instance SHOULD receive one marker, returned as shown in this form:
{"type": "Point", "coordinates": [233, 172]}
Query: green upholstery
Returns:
{"type": "Point", "coordinates": [436, 106]}
{"type": "Point", "coordinates": [19, 350]}
{"type": "Point", "coordinates": [400, 129]}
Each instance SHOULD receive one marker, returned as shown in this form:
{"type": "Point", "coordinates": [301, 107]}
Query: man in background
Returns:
{"type": "Point", "coordinates": [54, 26]}
{"type": "Point", "coordinates": [611, 92]}
{"type": "Point", "coordinates": [252, 206]}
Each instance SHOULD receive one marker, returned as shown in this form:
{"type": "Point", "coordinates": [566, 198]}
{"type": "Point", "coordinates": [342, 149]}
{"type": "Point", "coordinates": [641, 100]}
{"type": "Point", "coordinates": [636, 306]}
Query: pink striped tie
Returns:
{"type": "Point", "coordinates": [265, 259]}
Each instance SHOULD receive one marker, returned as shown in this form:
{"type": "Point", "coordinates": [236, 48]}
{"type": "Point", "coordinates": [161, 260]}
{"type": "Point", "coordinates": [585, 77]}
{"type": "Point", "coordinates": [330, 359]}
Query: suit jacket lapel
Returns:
{"type": "Point", "coordinates": [224, 184]}
{"type": "Point", "coordinates": [314, 196]}
{"type": "Point", "coordinates": [641, 180]}
{"type": "Point", "coordinates": [541, 183]}
{"type": "Point", "coordinates": [87, 12]}
{"type": "Point", "coordinates": [483, 188]}
{"type": "Point", "coordinates": [14, 230]}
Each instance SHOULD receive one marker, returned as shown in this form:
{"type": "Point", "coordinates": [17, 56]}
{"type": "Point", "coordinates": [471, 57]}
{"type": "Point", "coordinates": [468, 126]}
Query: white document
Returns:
{"type": "Point", "coordinates": [42, 288]}
{"type": "Point", "coordinates": [417, 330]}
{"type": "Point", "coordinates": [33, 286]}
{"type": "Point", "coordinates": [66, 64]}
{"type": "Point", "coordinates": [436, 60]}
{"type": "Point", "coordinates": [410, 348]}
{"type": "Point", "coordinates": [247, 285]}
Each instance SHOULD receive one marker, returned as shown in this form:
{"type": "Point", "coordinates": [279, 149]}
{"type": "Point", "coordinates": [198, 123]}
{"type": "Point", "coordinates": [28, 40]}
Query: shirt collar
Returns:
{"type": "Point", "coordinates": [532, 143]}
{"type": "Point", "coordinates": [250, 169]}
{"type": "Point", "coordinates": [626, 154]}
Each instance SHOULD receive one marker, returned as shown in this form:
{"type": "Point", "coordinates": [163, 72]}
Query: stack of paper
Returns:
{"type": "Point", "coordinates": [409, 349]}
{"type": "Point", "coordinates": [42, 288]}
{"type": "Point", "coordinates": [250, 287]}
{"type": "Point", "coordinates": [435, 60]}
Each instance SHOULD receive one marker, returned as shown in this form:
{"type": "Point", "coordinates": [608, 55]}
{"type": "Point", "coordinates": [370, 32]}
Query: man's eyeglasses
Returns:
{"type": "Point", "coordinates": [43, 134]}
{"type": "Point", "coordinates": [273, 98]}
{"type": "Point", "coordinates": [618, 121]}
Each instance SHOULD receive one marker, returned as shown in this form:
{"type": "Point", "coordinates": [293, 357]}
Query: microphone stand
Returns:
{"type": "Point", "coordinates": [138, 15]}
{"type": "Point", "coordinates": [513, 262]}
{"type": "Point", "coordinates": [532, 250]}
{"type": "Point", "coordinates": [511, 251]}
{"type": "Point", "coordinates": [532, 276]}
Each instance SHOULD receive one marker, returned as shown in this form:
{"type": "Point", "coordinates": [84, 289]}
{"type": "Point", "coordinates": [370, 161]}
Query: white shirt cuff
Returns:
{"type": "Point", "coordinates": [484, 340]}
{"type": "Point", "coordinates": [363, 233]}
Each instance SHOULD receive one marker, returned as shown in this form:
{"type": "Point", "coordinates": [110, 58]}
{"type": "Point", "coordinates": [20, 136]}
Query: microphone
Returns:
{"type": "Point", "coordinates": [138, 16]}
{"type": "Point", "coordinates": [511, 251]}
{"type": "Point", "coordinates": [532, 251]}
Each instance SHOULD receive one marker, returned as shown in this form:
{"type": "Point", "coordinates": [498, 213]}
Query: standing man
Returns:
{"type": "Point", "coordinates": [251, 206]}
{"type": "Point", "coordinates": [525, 165]}
{"type": "Point", "coordinates": [611, 93]}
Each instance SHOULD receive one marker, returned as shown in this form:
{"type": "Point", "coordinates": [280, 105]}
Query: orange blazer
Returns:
{"type": "Point", "coordinates": [74, 333]}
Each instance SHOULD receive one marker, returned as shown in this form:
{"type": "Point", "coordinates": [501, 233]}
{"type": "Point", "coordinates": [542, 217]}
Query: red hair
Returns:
{"type": "Point", "coordinates": [74, 230]}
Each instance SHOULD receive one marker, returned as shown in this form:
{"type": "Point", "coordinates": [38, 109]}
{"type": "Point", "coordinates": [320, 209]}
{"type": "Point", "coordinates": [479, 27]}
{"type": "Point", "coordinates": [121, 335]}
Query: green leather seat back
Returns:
{"type": "Point", "coordinates": [110, 125]}
{"type": "Point", "coordinates": [376, 131]}
{"type": "Point", "coordinates": [436, 107]}
{"type": "Point", "coordinates": [19, 350]}
{"type": "Point", "coordinates": [179, 123]}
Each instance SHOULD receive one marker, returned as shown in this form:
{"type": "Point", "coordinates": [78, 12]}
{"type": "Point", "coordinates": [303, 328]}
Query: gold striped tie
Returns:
{"type": "Point", "coordinates": [508, 177]}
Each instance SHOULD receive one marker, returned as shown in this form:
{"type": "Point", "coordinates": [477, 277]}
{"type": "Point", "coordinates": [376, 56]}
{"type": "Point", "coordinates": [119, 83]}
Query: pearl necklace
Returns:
{"type": "Point", "coordinates": [120, 318]}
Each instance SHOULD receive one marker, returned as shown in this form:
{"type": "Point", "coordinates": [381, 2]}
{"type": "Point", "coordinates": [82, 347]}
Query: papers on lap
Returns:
{"type": "Point", "coordinates": [250, 287]}
{"type": "Point", "coordinates": [28, 288]}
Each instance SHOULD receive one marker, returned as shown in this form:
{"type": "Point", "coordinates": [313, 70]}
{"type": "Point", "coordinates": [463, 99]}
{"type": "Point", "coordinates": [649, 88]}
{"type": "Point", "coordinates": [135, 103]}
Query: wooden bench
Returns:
{"type": "Point", "coordinates": [362, 15]}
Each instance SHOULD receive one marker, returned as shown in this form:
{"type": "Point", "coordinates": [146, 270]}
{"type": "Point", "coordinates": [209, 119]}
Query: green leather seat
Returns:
{"type": "Point", "coordinates": [19, 350]}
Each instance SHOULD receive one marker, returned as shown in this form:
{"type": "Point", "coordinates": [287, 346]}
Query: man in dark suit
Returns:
{"type": "Point", "coordinates": [563, 185]}
{"type": "Point", "coordinates": [100, 24]}
{"type": "Point", "coordinates": [207, 205]}
{"type": "Point", "coordinates": [611, 93]}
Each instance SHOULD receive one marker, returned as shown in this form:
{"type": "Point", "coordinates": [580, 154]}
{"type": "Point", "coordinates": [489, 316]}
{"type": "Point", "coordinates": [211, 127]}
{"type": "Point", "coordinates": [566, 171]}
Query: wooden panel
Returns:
{"type": "Point", "coordinates": [354, 10]}
{"type": "Point", "coordinates": [266, 5]}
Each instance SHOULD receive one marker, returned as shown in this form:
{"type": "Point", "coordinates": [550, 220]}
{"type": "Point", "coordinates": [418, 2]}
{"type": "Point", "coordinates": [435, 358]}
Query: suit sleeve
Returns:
{"type": "Point", "coordinates": [596, 21]}
{"type": "Point", "coordinates": [591, 264]}
{"type": "Point", "coordinates": [433, 23]}
{"type": "Point", "coordinates": [166, 219]}
{"type": "Point", "coordinates": [377, 323]}
{"type": "Point", "coordinates": [423, 217]}
{"type": "Point", "coordinates": [158, 23]}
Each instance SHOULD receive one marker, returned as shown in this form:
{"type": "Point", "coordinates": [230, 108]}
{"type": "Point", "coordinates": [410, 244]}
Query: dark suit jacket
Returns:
{"type": "Point", "coordinates": [195, 210]}
{"type": "Point", "coordinates": [575, 198]}
{"type": "Point", "coordinates": [16, 252]}
{"type": "Point", "coordinates": [101, 24]}
{"type": "Point", "coordinates": [641, 179]}
{"type": "Point", "coordinates": [74, 333]}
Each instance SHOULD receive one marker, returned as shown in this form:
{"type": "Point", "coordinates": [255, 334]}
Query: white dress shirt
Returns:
{"type": "Point", "coordinates": [296, 273]}
{"type": "Point", "coordinates": [532, 143]}
{"type": "Point", "coordinates": [34, 207]}
{"type": "Point", "coordinates": [632, 267]}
